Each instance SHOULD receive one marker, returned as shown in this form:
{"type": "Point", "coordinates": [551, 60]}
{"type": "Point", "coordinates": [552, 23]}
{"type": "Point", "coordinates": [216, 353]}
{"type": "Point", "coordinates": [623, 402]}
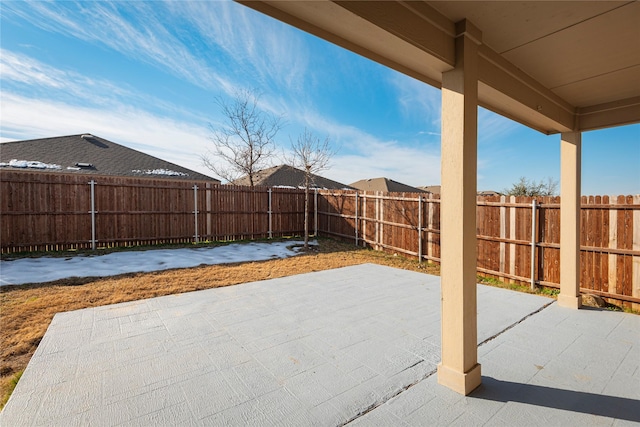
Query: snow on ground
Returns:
{"type": "Point", "coordinates": [46, 269]}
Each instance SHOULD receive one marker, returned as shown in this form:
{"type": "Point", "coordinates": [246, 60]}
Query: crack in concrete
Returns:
{"type": "Point", "coordinates": [415, 364]}
{"type": "Point", "coordinates": [375, 405]}
{"type": "Point", "coordinates": [491, 338]}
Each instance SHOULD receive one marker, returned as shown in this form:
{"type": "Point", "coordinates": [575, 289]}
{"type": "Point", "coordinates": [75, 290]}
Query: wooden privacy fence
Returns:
{"type": "Point", "coordinates": [52, 211]}
{"type": "Point", "coordinates": [518, 239]}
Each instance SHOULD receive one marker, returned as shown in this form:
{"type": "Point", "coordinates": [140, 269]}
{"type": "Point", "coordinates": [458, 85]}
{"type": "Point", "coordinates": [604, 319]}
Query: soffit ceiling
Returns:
{"type": "Point", "coordinates": [555, 66]}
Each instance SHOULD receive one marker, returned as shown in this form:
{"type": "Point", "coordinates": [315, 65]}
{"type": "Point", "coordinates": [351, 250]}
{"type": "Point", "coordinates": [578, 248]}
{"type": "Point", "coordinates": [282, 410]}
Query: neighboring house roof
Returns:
{"type": "Point", "coordinates": [288, 176]}
{"type": "Point", "coordinates": [489, 193]}
{"type": "Point", "coordinates": [433, 189]}
{"type": "Point", "coordinates": [89, 154]}
{"type": "Point", "coordinates": [384, 184]}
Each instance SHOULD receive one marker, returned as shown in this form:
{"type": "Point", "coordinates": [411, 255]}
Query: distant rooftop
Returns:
{"type": "Point", "coordinates": [434, 189]}
{"type": "Point", "coordinates": [89, 154]}
{"type": "Point", "coordinates": [288, 176]}
{"type": "Point", "coordinates": [384, 184]}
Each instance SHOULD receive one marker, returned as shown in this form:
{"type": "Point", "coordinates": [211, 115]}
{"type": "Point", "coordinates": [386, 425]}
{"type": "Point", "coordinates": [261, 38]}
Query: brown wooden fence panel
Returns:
{"type": "Point", "coordinates": [41, 206]}
{"type": "Point", "coordinates": [52, 211]}
{"type": "Point", "coordinates": [385, 222]}
{"type": "Point", "coordinates": [610, 235]}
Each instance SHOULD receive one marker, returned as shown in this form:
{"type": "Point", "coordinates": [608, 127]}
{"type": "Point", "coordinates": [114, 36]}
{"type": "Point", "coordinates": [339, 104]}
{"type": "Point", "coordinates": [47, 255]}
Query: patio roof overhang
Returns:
{"type": "Point", "coordinates": [558, 67]}
{"type": "Point", "coordinates": [561, 66]}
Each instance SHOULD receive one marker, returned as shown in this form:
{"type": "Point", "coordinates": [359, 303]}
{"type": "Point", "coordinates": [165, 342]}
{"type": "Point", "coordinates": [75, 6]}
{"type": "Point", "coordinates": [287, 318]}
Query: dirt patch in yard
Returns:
{"type": "Point", "coordinates": [26, 311]}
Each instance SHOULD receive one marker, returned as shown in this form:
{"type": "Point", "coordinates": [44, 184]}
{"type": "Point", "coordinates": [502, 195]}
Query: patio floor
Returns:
{"type": "Point", "coordinates": [355, 345]}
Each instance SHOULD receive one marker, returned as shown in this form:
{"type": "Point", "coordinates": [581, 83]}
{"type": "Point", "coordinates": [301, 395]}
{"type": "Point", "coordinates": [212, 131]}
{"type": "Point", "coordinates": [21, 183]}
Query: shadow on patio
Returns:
{"type": "Point", "coordinates": [568, 400]}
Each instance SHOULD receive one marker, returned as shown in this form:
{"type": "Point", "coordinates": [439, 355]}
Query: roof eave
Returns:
{"type": "Point", "coordinates": [386, 33]}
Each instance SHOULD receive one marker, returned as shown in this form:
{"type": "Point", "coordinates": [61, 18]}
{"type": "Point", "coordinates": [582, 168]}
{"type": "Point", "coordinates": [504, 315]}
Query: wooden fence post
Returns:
{"type": "Point", "coordinates": [613, 243]}
{"type": "Point", "coordinates": [503, 234]}
{"type": "Point", "coordinates": [431, 213]}
{"type": "Point", "coordinates": [270, 211]}
{"type": "Point", "coordinates": [635, 273]}
{"type": "Point", "coordinates": [382, 219]}
{"type": "Point", "coordinates": [315, 214]}
{"type": "Point", "coordinates": [356, 218]}
{"type": "Point", "coordinates": [208, 207]}
{"type": "Point", "coordinates": [512, 236]}
{"type": "Point", "coordinates": [377, 227]}
{"type": "Point", "coordinates": [92, 183]}
{"type": "Point", "coordinates": [533, 245]}
{"type": "Point", "coordinates": [419, 229]}
{"type": "Point", "coordinates": [195, 211]}
{"type": "Point", "coordinates": [364, 220]}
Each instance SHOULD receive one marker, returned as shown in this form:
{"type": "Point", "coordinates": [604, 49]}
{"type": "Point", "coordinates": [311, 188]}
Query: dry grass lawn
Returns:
{"type": "Point", "coordinates": [27, 310]}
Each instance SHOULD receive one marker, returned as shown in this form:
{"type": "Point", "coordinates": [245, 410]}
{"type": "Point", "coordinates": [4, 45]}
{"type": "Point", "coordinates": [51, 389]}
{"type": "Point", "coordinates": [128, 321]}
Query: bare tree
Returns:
{"type": "Point", "coordinates": [524, 187]}
{"type": "Point", "coordinates": [312, 155]}
{"type": "Point", "coordinates": [245, 143]}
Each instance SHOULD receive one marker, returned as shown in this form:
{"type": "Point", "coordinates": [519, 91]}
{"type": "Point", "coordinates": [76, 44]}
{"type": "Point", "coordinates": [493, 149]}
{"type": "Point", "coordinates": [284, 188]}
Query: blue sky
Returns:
{"type": "Point", "coordinates": [146, 75]}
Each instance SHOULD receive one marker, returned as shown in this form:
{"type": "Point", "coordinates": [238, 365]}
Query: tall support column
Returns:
{"type": "Point", "coordinates": [570, 169]}
{"type": "Point", "coordinates": [459, 369]}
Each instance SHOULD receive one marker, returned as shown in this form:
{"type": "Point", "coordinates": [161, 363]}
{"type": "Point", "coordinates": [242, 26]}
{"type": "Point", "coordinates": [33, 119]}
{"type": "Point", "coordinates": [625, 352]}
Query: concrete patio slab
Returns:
{"type": "Point", "coordinates": [355, 345]}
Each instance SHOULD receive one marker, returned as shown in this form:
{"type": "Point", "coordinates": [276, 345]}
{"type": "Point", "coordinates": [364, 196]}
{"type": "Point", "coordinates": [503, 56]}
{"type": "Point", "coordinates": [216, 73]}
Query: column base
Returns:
{"type": "Point", "coordinates": [570, 301]}
{"type": "Point", "coordinates": [463, 383]}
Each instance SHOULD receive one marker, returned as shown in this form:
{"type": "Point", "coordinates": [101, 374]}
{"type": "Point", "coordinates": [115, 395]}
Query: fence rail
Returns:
{"type": "Point", "coordinates": [40, 211]}
{"type": "Point", "coordinates": [518, 241]}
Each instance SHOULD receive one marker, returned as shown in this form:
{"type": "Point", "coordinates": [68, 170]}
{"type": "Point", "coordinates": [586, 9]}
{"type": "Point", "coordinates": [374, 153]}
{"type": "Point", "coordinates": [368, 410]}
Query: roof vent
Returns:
{"type": "Point", "coordinates": [84, 165]}
{"type": "Point", "coordinates": [86, 136]}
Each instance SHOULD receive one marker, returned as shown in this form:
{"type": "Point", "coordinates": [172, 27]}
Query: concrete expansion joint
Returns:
{"type": "Point", "coordinates": [375, 405]}
{"type": "Point", "coordinates": [516, 323]}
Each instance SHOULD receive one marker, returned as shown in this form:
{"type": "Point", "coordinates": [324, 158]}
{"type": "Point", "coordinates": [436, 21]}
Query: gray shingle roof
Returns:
{"type": "Point", "coordinates": [384, 184]}
{"type": "Point", "coordinates": [89, 154]}
{"type": "Point", "coordinates": [288, 176]}
{"type": "Point", "coordinates": [434, 189]}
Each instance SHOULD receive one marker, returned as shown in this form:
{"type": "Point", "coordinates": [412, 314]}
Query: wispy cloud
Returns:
{"type": "Point", "coordinates": [492, 126]}
{"type": "Point", "coordinates": [22, 69]}
{"type": "Point", "coordinates": [28, 75]}
{"type": "Point", "coordinates": [262, 49]}
{"type": "Point", "coordinates": [219, 46]}
{"type": "Point", "coordinates": [131, 28]}
{"type": "Point", "coordinates": [417, 100]}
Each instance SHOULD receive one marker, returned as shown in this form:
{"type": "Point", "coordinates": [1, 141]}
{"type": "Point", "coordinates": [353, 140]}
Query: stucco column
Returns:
{"type": "Point", "coordinates": [570, 169]}
{"type": "Point", "coordinates": [459, 369]}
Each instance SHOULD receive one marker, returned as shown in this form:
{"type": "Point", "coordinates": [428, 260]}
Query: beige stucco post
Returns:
{"type": "Point", "coordinates": [570, 166]}
{"type": "Point", "coordinates": [459, 369]}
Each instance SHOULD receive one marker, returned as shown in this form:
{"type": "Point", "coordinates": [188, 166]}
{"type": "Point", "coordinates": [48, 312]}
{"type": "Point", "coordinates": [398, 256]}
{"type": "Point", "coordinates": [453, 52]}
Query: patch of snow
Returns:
{"type": "Point", "coordinates": [47, 269]}
{"type": "Point", "coordinates": [32, 164]}
{"type": "Point", "coordinates": [167, 172]}
{"type": "Point", "coordinates": [72, 168]}
{"type": "Point", "coordinates": [300, 187]}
